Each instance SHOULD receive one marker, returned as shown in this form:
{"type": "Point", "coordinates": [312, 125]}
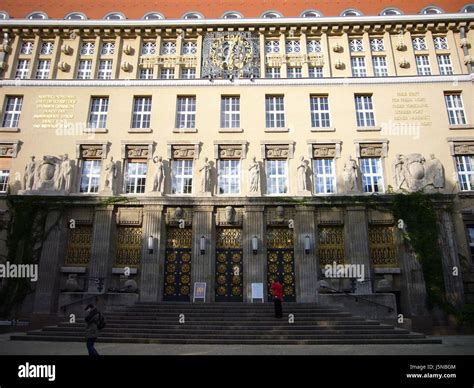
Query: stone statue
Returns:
{"type": "Point", "coordinates": [399, 171]}
{"type": "Point", "coordinates": [59, 177]}
{"type": "Point", "coordinates": [48, 173]}
{"type": "Point", "coordinates": [110, 175]}
{"type": "Point", "coordinates": [350, 175]}
{"type": "Point", "coordinates": [435, 172]}
{"type": "Point", "coordinates": [66, 172]}
{"type": "Point", "coordinates": [30, 174]}
{"type": "Point", "coordinates": [254, 175]}
{"type": "Point", "coordinates": [205, 171]}
{"type": "Point", "coordinates": [302, 175]}
{"type": "Point", "coordinates": [159, 180]}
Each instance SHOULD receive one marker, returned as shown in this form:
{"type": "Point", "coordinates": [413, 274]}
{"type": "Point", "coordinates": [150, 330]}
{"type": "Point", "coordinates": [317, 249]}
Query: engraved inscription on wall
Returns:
{"type": "Point", "coordinates": [53, 111]}
{"type": "Point", "coordinates": [411, 107]}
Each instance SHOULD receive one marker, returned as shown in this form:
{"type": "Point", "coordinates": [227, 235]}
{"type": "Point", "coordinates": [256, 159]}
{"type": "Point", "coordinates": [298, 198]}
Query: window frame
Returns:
{"type": "Point", "coordinates": [316, 104]}
{"type": "Point", "coordinates": [186, 115]}
{"type": "Point", "coordinates": [230, 112]}
{"type": "Point", "coordinates": [100, 121]}
{"type": "Point", "coordinates": [132, 178]}
{"type": "Point", "coordinates": [375, 177]}
{"type": "Point", "coordinates": [90, 176]}
{"type": "Point", "coordinates": [274, 117]}
{"type": "Point", "coordinates": [325, 177]}
{"type": "Point", "coordinates": [276, 177]}
{"type": "Point", "coordinates": [365, 117]}
{"type": "Point", "coordinates": [11, 117]}
{"type": "Point", "coordinates": [228, 179]}
{"type": "Point", "coordinates": [182, 182]}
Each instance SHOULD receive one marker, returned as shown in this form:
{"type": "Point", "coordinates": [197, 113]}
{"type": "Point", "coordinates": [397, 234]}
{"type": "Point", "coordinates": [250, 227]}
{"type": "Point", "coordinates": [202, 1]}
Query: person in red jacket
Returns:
{"type": "Point", "coordinates": [277, 292]}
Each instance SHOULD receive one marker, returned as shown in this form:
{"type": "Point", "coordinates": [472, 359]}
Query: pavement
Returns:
{"type": "Point", "coordinates": [452, 345]}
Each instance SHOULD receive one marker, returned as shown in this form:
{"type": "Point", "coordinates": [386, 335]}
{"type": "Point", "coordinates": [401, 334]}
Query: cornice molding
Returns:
{"type": "Point", "coordinates": [241, 82]}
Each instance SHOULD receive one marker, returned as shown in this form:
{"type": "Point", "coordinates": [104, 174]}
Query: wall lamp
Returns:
{"type": "Point", "coordinates": [202, 245]}
{"type": "Point", "coordinates": [150, 244]}
{"type": "Point", "coordinates": [307, 244]}
{"type": "Point", "coordinates": [254, 245]}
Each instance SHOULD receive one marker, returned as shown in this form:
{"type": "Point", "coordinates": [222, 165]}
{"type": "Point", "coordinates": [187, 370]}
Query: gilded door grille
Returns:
{"type": "Point", "coordinates": [280, 261]}
{"type": "Point", "coordinates": [382, 246]}
{"type": "Point", "coordinates": [177, 282]}
{"type": "Point", "coordinates": [331, 245]}
{"type": "Point", "coordinates": [79, 243]}
{"type": "Point", "coordinates": [129, 246]}
{"type": "Point", "coordinates": [229, 271]}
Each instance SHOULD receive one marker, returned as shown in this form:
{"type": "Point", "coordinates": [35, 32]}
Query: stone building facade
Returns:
{"type": "Point", "coordinates": [238, 149]}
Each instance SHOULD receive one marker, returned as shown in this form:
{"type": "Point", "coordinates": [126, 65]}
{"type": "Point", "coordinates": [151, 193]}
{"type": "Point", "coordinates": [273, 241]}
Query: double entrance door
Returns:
{"type": "Point", "coordinates": [280, 261]}
{"type": "Point", "coordinates": [229, 276]}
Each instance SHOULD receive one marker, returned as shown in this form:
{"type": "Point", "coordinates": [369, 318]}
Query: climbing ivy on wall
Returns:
{"type": "Point", "coordinates": [421, 230]}
{"type": "Point", "coordinates": [25, 236]}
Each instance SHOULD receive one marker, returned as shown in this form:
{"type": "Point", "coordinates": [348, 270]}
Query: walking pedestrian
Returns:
{"type": "Point", "coordinates": [94, 323]}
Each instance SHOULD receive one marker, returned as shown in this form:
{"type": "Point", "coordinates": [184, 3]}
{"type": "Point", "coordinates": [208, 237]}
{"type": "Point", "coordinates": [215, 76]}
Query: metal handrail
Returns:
{"type": "Point", "coordinates": [390, 309]}
{"type": "Point", "coordinates": [64, 307]}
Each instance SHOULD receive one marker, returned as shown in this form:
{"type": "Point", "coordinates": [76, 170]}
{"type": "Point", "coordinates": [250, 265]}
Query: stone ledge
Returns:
{"type": "Point", "coordinates": [461, 126]}
{"type": "Point", "coordinates": [323, 129]}
{"type": "Point", "coordinates": [140, 130]}
{"type": "Point", "coordinates": [185, 130]}
{"type": "Point", "coordinates": [269, 130]}
{"type": "Point", "coordinates": [9, 129]}
{"type": "Point", "coordinates": [73, 269]}
{"type": "Point", "coordinates": [230, 130]}
{"type": "Point", "coordinates": [368, 129]}
{"type": "Point", "coordinates": [96, 130]}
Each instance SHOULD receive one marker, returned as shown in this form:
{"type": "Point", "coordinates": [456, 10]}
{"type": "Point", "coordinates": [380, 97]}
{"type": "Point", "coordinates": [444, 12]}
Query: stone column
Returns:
{"type": "Point", "coordinates": [255, 265]}
{"type": "Point", "coordinates": [47, 286]}
{"type": "Point", "coordinates": [449, 250]}
{"type": "Point", "coordinates": [306, 264]}
{"type": "Point", "coordinates": [150, 271]}
{"type": "Point", "coordinates": [203, 265]}
{"type": "Point", "coordinates": [413, 296]}
{"type": "Point", "coordinates": [357, 245]}
{"type": "Point", "coordinates": [102, 246]}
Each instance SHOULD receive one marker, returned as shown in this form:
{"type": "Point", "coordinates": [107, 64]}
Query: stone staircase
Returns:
{"type": "Point", "coordinates": [231, 323]}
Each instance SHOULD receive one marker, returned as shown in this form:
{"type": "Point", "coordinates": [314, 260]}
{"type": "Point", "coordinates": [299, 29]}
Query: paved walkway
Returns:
{"type": "Point", "coordinates": [452, 345]}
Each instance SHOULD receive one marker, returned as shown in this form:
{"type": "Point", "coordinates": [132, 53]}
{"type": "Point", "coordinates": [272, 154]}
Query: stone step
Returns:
{"type": "Point", "coordinates": [332, 341]}
{"type": "Point", "coordinates": [231, 315]}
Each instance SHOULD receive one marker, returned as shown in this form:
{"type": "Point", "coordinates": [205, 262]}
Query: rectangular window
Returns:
{"type": "Point", "coordinates": [188, 73]}
{"type": "Point", "coordinates": [372, 179]}
{"type": "Point", "coordinates": [313, 46]}
{"type": "Point", "coordinates": [22, 68]}
{"type": "Point", "coordinates": [465, 169]}
{"type": "Point", "coordinates": [168, 48]}
{"type": "Point", "coordinates": [274, 111]}
{"type": "Point", "coordinates": [12, 111]}
{"type": "Point", "coordinates": [293, 46]}
{"type": "Point", "coordinates": [186, 112]}
{"type": "Point", "coordinates": [380, 66]}
{"type": "Point", "coordinates": [229, 177]}
{"type": "Point", "coordinates": [141, 115]}
{"type": "Point", "coordinates": [419, 44]}
{"type": "Point", "coordinates": [423, 65]}
{"type": "Point", "coordinates": [440, 43]}
{"type": "Point", "coordinates": [444, 63]}
{"type": "Point", "coordinates": [105, 69]}
{"type": "Point", "coordinates": [358, 67]}
{"type": "Point", "coordinates": [455, 108]}
{"type": "Point", "coordinates": [272, 72]}
{"type": "Point", "coordinates": [4, 178]}
{"type": "Point", "coordinates": [47, 48]}
{"type": "Point", "coordinates": [189, 48]}
{"type": "Point", "coordinates": [377, 45]}
{"type": "Point", "coordinates": [90, 176]}
{"type": "Point", "coordinates": [315, 72]}
{"type": "Point", "coordinates": [277, 176]}
{"type": "Point", "coordinates": [135, 177]}
{"type": "Point", "coordinates": [167, 73]}
{"type": "Point", "coordinates": [470, 235]}
{"type": "Point", "coordinates": [98, 113]}
{"type": "Point", "coordinates": [320, 112]}
{"type": "Point", "coordinates": [272, 47]}
{"type": "Point", "coordinates": [364, 111]}
{"type": "Point", "coordinates": [26, 48]}
{"type": "Point", "coordinates": [108, 48]}
{"type": "Point", "coordinates": [356, 45]}
{"type": "Point", "coordinates": [42, 69]}
{"type": "Point", "coordinates": [295, 72]}
{"type": "Point", "coordinates": [87, 48]}
{"type": "Point", "coordinates": [146, 73]}
{"type": "Point", "coordinates": [84, 69]}
{"type": "Point", "coordinates": [149, 48]}
{"type": "Point", "coordinates": [230, 112]}
{"type": "Point", "coordinates": [182, 174]}
{"type": "Point", "coordinates": [324, 176]}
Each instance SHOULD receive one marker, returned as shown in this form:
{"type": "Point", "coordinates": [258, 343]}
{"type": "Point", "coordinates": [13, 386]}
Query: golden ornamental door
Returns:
{"type": "Point", "coordinates": [229, 276]}
{"type": "Point", "coordinates": [178, 265]}
{"type": "Point", "coordinates": [280, 261]}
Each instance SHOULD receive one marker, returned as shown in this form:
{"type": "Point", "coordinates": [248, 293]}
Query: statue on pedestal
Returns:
{"type": "Point", "coordinates": [302, 175]}
{"type": "Point", "coordinates": [254, 176]}
{"type": "Point", "coordinates": [350, 175]}
{"type": "Point", "coordinates": [110, 175]}
{"type": "Point", "coordinates": [159, 179]}
{"type": "Point", "coordinates": [205, 171]}
{"type": "Point", "coordinates": [30, 174]}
